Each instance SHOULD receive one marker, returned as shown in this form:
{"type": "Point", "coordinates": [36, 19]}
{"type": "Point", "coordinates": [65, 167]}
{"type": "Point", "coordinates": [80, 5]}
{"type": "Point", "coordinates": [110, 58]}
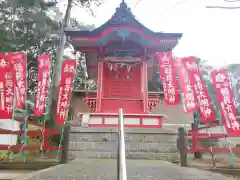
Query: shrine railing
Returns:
{"type": "Point", "coordinates": [90, 98]}
{"type": "Point", "coordinates": [121, 160]}
{"type": "Point", "coordinates": [199, 140]}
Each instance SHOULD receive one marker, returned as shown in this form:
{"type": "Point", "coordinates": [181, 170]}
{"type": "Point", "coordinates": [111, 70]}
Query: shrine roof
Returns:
{"type": "Point", "coordinates": [123, 24]}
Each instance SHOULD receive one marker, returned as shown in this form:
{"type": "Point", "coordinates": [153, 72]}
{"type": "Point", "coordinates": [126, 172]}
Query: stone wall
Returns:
{"type": "Point", "coordinates": [140, 143]}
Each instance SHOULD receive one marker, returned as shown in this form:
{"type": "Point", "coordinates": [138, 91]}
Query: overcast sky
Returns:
{"type": "Point", "coordinates": [211, 34]}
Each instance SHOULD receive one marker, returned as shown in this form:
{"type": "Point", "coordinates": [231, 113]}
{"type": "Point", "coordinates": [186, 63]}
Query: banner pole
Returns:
{"type": "Point", "coordinates": [26, 116]}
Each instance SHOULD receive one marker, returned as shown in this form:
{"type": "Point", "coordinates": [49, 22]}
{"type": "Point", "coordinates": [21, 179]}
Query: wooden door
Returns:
{"type": "Point", "coordinates": [122, 89]}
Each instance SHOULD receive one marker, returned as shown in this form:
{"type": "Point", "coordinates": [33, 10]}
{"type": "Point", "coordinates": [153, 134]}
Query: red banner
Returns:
{"type": "Point", "coordinates": [64, 91]}
{"type": "Point", "coordinates": [44, 64]}
{"type": "Point", "coordinates": [221, 84]}
{"type": "Point", "coordinates": [18, 61]}
{"type": "Point", "coordinates": [200, 90]}
{"type": "Point", "coordinates": [187, 87]}
{"type": "Point", "coordinates": [6, 88]}
{"type": "Point", "coordinates": [168, 77]}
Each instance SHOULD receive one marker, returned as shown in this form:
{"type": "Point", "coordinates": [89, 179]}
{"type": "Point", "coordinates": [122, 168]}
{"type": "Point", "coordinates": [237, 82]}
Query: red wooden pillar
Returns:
{"type": "Point", "coordinates": [99, 85]}
{"type": "Point", "coordinates": [145, 83]}
{"type": "Point", "coordinates": [46, 141]}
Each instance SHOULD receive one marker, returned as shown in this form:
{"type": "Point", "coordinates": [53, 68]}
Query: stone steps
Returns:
{"type": "Point", "coordinates": [130, 146]}
{"type": "Point", "coordinates": [129, 155]}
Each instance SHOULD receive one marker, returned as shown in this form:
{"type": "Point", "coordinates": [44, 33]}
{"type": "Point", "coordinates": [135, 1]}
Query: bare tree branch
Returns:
{"type": "Point", "coordinates": [226, 7]}
{"type": "Point", "coordinates": [232, 0]}
{"type": "Point", "coordinates": [89, 9]}
{"type": "Point", "coordinates": [139, 1]}
{"type": "Point", "coordinates": [176, 4]}
{"type": "Point", "coordinates": [222, 7]}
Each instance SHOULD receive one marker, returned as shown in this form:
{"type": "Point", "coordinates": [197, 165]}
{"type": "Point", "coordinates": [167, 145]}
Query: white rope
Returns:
{"type": "Point", "coordinates": [11, 153]}
{"type": "Point", "coordinates": [211, 149]}
{"type": "Point", "coordinates": [12, 127]}
{"type": "Point", "coordinates": [209, 135]}
{"type": "Point", "coordinates": [125, 64]}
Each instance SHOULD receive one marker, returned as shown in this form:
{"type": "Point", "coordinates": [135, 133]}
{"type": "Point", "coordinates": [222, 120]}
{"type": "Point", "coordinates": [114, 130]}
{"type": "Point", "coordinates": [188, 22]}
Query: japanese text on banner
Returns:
{"type": "Point", "coordinates": [44, 65]}
{"type": "Point", "coordinates": [6, 88]}
{"type": "Point", "coordinates": [168, 77]}
{"type": "Point", "coordinates": [221, 84]}
{"type": "Point", "coordinates": [200, 90]}
{"type": "Point", "coordinates": [64, 91]}
{"type": "Point", "coordinates": [18, 62]}
{"type": "Point", "coordinates": [186, 86]}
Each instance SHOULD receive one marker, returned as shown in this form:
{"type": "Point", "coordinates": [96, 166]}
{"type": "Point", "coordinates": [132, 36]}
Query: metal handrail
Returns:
{"type": "Point", "coordinates": [121, 161]}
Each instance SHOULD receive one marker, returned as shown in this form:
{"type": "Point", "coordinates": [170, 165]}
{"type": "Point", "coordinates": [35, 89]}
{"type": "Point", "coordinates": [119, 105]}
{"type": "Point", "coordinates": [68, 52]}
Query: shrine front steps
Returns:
{"type": "Point", "coordinates": [140, 143]}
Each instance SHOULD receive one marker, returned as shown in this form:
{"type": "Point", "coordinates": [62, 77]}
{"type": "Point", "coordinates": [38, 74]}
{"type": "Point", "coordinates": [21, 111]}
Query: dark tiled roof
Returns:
{"type": "Point", "coordinates": [123, 17]}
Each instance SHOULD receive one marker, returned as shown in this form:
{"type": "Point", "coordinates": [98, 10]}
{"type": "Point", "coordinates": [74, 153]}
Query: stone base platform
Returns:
{"type": "Point", "coordinates": [141, 143]}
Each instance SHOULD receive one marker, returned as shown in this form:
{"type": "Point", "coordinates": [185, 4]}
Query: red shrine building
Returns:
{"type": "Point", "coordinates": [121, 58]}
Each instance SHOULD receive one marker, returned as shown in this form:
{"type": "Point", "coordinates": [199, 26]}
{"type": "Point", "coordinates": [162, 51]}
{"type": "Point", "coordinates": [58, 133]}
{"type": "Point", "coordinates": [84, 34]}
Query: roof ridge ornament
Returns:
{"type": "Point", "coordinates": [122, 11]}
{"type": "Point", "coordinates": [124, 5]}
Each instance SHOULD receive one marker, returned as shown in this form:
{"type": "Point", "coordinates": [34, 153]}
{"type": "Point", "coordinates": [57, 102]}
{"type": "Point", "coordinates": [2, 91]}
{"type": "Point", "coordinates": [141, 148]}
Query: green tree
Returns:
{"type": "Point", "coordinates": [59, 58]}
{"type": "Point", "coordinates": [26, 25]}
{"type": "Point", "coordinates": [23, 26]}
{"type": "Point", "coordinates": [51, 44]}
{"type": "Point", "coordinates": [234, 71]}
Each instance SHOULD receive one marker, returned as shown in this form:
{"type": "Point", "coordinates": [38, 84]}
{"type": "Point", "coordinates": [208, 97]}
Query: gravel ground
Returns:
{"type": "Point", "coordinates": [9, 174]}
{"type": "Point", "coordinates": [98, 169]}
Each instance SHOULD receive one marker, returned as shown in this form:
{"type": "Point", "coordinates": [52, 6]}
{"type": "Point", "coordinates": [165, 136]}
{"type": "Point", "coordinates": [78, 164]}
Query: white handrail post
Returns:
{"type": "Point", "coordinates": [122, 171]}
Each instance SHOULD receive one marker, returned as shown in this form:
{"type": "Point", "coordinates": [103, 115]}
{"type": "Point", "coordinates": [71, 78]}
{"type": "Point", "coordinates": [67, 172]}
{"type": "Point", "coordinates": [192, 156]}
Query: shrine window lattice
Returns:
{"type": "Point", "coordinates": [82, 83]}
{"type": "Point", "coordinates": [156, 84]}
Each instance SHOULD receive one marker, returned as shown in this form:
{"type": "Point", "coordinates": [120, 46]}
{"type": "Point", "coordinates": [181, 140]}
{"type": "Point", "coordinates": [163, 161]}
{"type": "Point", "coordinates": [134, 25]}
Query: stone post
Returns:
{"type": "Point", "coordinates": [66, 133]}
{"type": "Point", "coordinates": [181, 144]}
{"type": "Point", "coordinates": [195, 141]}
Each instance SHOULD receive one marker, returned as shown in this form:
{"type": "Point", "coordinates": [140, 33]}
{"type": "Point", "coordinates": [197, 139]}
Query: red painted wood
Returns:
{"type": "Point", "coordinates": [97, 49]}
{"type": "Point", "coordinates": [129, 106]}
{"type": "Point", "coordinates": [31, 132]}
{"type": "Point", "coordinates": [145, 85]}
{"type": "Point", "coordinates": [116, 84]}
{"type": "Point", "coordinates": [153, 39]}
{"type": "Point", "coordinates": [46, 141]}
{"type": "Point", "coordinates": [215, 150]}
{"type": "Point", "coordinates": [198, 137]}
{"type": "Point", "coordinates": [207, 126]}
{"type": "Point", "coordinates": [208, 136]}
{"type": "Point", "coordinates": [126, 126]}
{"type": "Point", "coordinates": [100, 85]}
{"type": "Point", "coordinates": [119, 91]}
{"type": "Point", "coordinates": [153, 100]}
{"type": "Point", "coordinates": [29, 148]}
{"type": "Point", "coordinates": [140, 116]}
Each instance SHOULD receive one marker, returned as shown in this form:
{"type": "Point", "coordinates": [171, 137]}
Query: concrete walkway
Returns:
{"type": "Point", "coordinates": [97, 169]}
